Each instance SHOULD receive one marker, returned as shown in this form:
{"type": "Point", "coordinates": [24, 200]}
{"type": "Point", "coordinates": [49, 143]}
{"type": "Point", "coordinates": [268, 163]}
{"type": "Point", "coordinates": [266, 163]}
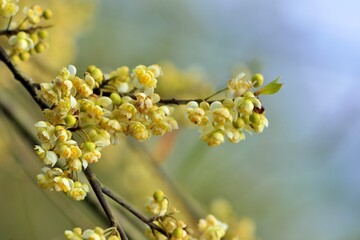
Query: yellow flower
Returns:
{"type": "Point", "coordinates": [214, 138]}
{"type": "Point", "coordinates": [8, 8]}
{"type": "Point", "coordinates": [237, 86]}
{"type": "Point", "coordinates": [138, 131]}
{"type": "Point", "coordinates": [62, 184]}
{"type": "Point", "coordinates": [157, 204]}
{"type": "Point", "coordinates": [211, 228]}
{"type": "Point", "coordinates": [34, 14]}
{"type": "Point", "coordinates": [79, 191]}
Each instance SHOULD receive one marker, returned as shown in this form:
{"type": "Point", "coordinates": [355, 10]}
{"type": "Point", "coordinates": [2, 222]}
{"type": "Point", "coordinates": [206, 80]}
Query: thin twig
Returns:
{"type": "Point", "coordinates": [9, 32]}
{"type": "Point", "coordinates": [8, 25]}
{"type": "Point", "coordinates": [194, 212]}
{"type": "Point", "coordinates": [28, 84]}
{"type": "Point", "coordinates": [96, 186]}
{"type": "Point", "coordinates": [137, 214]}
{"type": "Point", "coordinates": [179, 101]}
{"type": "Point", "coordinates": [214, 94]}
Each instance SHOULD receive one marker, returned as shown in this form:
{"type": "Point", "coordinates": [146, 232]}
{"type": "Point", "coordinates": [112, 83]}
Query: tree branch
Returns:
{"type": "Point", "coordinates": [137, 214]}
{"type": "Point", "coordinates": [194, 211]}
{"type": "Point", "coordinates": [96, 186]}
{"type": "Point", "coordinates": [9, 32]}
{"type": "Point", "coordinates": [28, 84]}
{"type": "Point", "coordinates": [31, 140]}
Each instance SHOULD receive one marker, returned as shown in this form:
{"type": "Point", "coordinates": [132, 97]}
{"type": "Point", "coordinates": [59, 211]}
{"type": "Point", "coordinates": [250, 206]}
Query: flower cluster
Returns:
{"type": "Point", "coordinates": [211, 228]}
{"type": "Point", "coordinates": [240, 110]}
{"type": "Point", "coordinates": [175, 229]}
{"type": "Point", "coordinates": [60, 181]}
{"type": "Point", "coordinates": [25, 37]}
{"type": "Point", "coordinates": [80, 123]}
{"type": "Point", "coordinates": [92, 234]}
{"type": "Point", "coordinates": [158, 205]}
{"type": "Point", "coordinates": [8, 8]}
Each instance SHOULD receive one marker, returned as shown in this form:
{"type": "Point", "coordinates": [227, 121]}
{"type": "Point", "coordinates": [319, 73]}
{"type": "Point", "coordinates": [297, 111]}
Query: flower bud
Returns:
{"type": "Point", "coordinates": [257, 80]}
{"type": "Point", "coordinates": [47, 14]}
{"type": "Point", "coordinates": [40, 47]}
{"type": "Point", "coordinates": [43, 34]}
{"type": "Point", "coordinates": [89, 146]}
{"type": "Point", "coordinates": [70, 121]}
{"type": "Point", "coordinates": [228, 103]}
{"type": "Point", "coordinates": [246, 107]}
{"type": "Point", "coordinates": [239, 123]}
{"type": "Point", "coordinates": [24, 56]}
{"type": "Point", "coordinates": [96, 73]}
{"type": "Point", "coordinates": [21, 35]}
{"type": "Point", "coordinates": [115, 97]}
{"type": "Point", "coordinates": [15, 58]}
{"type": "Point", "coordinates": [159, 196]}
{"type": "Point", "coordinates": [34, 37]}
{"type": "Point", "coordinates": [178, 233]}
{"type": "Point", "coordinates": [255, 118]}
{"type": "Point", "coordinates": [204, 105]}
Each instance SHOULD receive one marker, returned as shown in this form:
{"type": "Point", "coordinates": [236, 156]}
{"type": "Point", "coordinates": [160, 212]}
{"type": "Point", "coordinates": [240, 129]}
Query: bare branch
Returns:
{"type": "Point", "coordinates": [96, 186]}
{"type": "Point", "coordinates": [28, 84]}
{"type": "Point", "coordinates": [137, 214]}
{"type": "Point", "coordinates": [9, 32]}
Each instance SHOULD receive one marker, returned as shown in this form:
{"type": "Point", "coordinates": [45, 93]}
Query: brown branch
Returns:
{"type": "Point", "coordinates": [194, 212]}
{"type": "Point", "coordinates": [9, 32]}
{"type": "Point", "coordinates": [32, 140]}
{"type": "Point", "coordinates": [176, 101]}
{"type": "Point", "coordinates": [96, 186]}
{"type": "Point", "coordinates": [30, 86]}
{"type": "Point", "coordinates": [137, 214]}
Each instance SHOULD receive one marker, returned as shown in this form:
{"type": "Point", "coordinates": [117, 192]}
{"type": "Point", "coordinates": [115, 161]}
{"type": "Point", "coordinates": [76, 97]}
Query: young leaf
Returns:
{"type": "Point", "coordinates": [271, 88]}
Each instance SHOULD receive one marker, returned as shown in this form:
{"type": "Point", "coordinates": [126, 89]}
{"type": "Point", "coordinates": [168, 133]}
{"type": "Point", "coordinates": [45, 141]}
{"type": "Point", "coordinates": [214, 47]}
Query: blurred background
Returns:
{"type": "Point", "coordinates": [299, 179]}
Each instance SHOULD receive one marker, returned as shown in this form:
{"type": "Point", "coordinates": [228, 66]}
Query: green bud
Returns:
{"type": "Point", "coordinates": [257, 79]}
{"type": "Point", "coordinates": [15, 58]}
{"type": "Point", "coordinates": [97, 75]}
{"type": "Point", "coordinates": [40, 47]}
{"type": "Point", "coordinates": [90, 68]}
{"type": "Point", "coordinates": [43, 34]}
{"type": "Point", "coordinates": [115, 97]}
{"type": "Point", "coordinates": [70, 121]}
{"type": "Point", "coordinates": [177, 233]}
{"type": "Point", "coordinates": [21, 35]}
{"type": "Point", "coordinates": [47, 14]}
{"type": "Point", "coordinates": [34, 37]}
{"type": "Point", "coordinates": [159, 195]}
{"type": "Point", "coordinates": [24, 56]}
{"type": "Point", "coordinates": [89, 146]}
{"type": "Point", "coordinates": [205, 105]}
{"type": "Point", "coordinates": [255, 118]}
{"type": "Point", "coordinates": [239, 123]}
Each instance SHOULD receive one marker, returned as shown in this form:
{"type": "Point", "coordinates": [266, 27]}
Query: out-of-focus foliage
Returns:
{"type": "Point", "coordinates": [70, 19]}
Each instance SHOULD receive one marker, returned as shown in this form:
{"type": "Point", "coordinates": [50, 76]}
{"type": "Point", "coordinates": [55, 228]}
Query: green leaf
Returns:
{"type": "Point", "coordinates": [271, 88]}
